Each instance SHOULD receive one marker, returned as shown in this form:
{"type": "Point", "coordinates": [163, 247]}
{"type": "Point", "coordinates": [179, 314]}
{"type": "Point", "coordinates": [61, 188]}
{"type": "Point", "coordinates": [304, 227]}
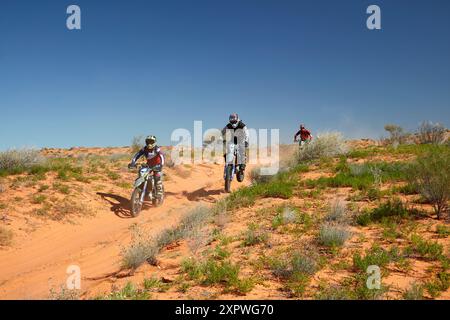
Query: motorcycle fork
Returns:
{"type": "Point", "coordinates": [144, 189]}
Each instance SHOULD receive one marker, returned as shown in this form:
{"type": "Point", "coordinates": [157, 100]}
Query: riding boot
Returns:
{"type": "Point", "coordinates": [159, 186]}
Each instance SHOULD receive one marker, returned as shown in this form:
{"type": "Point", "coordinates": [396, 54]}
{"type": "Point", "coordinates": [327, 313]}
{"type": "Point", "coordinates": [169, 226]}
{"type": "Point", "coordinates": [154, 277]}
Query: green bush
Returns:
{"type": "Point", "coordinates": [297, 263]}
{"type": "Point", "coordinates": [427, 249]}
{"type": "Point", "coordinates": [212, 272]}
{"type": "Point", "coordinates": [391, 210]}
{"type": "Point", "coordinates": [281, 186]}
{"type": "Point", "coordinates": [440, 284]}
{"type": "Point", "coordinates": [415, 292]}
{"type": "Point", "coordinates": [362, 176]}
{"type": "Point", "coordinates": [431, 174]}
{"type": "Point", "coordinates": [324, 145]}
{"type": "Point", "coordinates": [128, 292]}
{"type": "Point", "coordinates": [19, 161]}
{"type": "Point", "coordinates": [375, 256]}
{"type": "Point", "coordinates": [253, 236]}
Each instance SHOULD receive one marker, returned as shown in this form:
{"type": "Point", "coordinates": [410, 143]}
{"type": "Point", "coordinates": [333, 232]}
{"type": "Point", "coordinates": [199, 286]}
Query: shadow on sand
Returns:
{"type": "Point", "coordinates": [202, 194]}
{"type": "Point", "coordinates": [121, 206]}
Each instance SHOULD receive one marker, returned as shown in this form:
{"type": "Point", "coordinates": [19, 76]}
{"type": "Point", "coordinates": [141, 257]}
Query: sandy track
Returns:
{"type": "Point", "coordinates": [30, 269]}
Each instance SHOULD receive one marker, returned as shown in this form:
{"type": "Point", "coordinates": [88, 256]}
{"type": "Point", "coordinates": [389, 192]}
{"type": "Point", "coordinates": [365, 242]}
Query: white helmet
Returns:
{"type": "Point", "coordinates": [234, 120]}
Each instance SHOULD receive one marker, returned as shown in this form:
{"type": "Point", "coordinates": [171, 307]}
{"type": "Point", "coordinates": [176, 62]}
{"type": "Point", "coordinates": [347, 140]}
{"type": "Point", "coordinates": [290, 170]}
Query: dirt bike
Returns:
{"type": "Point", "coordinates": [302, 143]}
{"type": "Point", "coordinates": [231, 169]}
{"type": "Point", "coordinates": [144, 185]}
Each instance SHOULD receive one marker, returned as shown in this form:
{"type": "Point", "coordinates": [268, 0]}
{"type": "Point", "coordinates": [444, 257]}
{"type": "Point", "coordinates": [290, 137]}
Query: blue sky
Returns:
{"type": "Point", "coordinates": [142, 67]}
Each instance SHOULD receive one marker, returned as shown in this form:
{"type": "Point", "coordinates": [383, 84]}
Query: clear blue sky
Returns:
{"type": "Point", "coordinates": [141, 67]}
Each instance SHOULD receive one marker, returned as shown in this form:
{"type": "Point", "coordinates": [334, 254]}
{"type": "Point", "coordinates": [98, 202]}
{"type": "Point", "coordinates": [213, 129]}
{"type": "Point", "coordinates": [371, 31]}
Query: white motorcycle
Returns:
{"type": "Point", "coordinates": [145, 185]}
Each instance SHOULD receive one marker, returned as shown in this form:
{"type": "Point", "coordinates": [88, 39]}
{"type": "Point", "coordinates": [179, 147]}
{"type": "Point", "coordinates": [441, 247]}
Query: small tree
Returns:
{"type": "Point", "coordinates": [430, 132]}
{"type": "Point", "coordinates": [397, 134]}
{"type": "Point", "coordinates": [431, 174]}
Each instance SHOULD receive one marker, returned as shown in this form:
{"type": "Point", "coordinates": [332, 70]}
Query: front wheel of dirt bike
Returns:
{"type": "Point", "coordinates": [240, 175]}
{"type": "Point", "coordinates": [136, 205]}
{"type": "Point", "coordinates": [228, 174]}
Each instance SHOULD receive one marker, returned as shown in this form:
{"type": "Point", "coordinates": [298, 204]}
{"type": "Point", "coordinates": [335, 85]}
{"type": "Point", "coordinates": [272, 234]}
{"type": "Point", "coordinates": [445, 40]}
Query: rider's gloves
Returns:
{"type": "Point", "coordinates": [131, 166]}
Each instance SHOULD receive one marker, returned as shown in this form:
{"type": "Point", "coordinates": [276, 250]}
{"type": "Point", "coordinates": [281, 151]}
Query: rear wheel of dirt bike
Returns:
{"type": "Point", "coordinates": [136, 205]}
{"type": "Point", "coordinates": [228, 174]}
{"type": "Point", "coordinates": [158, 201]}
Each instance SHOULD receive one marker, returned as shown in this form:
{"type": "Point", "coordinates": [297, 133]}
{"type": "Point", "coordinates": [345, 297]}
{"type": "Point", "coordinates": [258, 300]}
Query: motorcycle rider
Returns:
{"type": "Point", "coordinates": [304, 134]}
{"type": "Point", "coordinates": [235, 135]}
{"type": "Point", "coordinates": [155, 161]}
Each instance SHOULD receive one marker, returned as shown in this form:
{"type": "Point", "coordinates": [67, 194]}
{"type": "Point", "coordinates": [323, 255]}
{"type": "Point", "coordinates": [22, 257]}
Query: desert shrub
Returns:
{"type": "Point", "coordinates": [324, 145]}
{"type": "Point", "coordinates": [38, 199]}
{"type": "Point", "coordinates": [68, 207]}
{"type": "Point", "coordinates": [430, 132]}
{"type": "Point", "coordinates": [5, 236]}
{"type": "Point", "coordinates": [245, 197]}
{"type": "Point", "coordinates": [64, 294]}
{"type": "Point", "coordinates": [334, 292]}
{"type": "Point", "coordinates": [63, 188]}
{"type": "Point", "coordinates": [19, 160]}
{"type": "Point", "coordinates": [430, 250]}
{"type": "Point", "coordinates": [297, 263]}
{"type": "Point", "coordinates": [43, 187]}
{"type": "Point", "coordinates": [253, 235]}
{"type": "Point", "coordinates": [128, 292]}
{"type": "Point", "coordinates": [407, 189]}
{"type": "Point", "coordinates": [155, 284]}
{"type": "Point", "coordinates": [280, 268]}
{"type": "Point", "coordinates": [193, 220]}
{"type": "Point", "coordinates": [285, 215]}
{"type": "Point", "coordinates": [390, 210]}
{"type": "Point", "coordinates": [440, 284]}
{"type": "Point", "coordinates": [397, 134]}
{"type": "Point", "coordinates": [280, 185]}
{"type": "Point", "coordinates": [333, 235]}
{"type": "Point", "coordinates": [360, 291]}
{"type": "Point", "coordinates": [431, 174]}
{"type": "Point", "coordinates": [362, 176]}
{"type": "Point", "coordinates": [443, 230]}
{"type": "Point", "coordinates": [296, 271]}
{"type": "Point", "coordinates": [363, 153]}
{"type": "Point", "coordinates": [414, 292]}
{"type": "Point", "coordinates": [197, 239]}
{"type": "Point", "coordinates": [302, 263]}
{"type": "Point", "coordinates": [142, 248]}
{"type": "Point", "coordinates": [374, 256]}
{"type": "Point", "coordinates": [337, 211]}
{"type": "Point", "coordinates": [212, 272]}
